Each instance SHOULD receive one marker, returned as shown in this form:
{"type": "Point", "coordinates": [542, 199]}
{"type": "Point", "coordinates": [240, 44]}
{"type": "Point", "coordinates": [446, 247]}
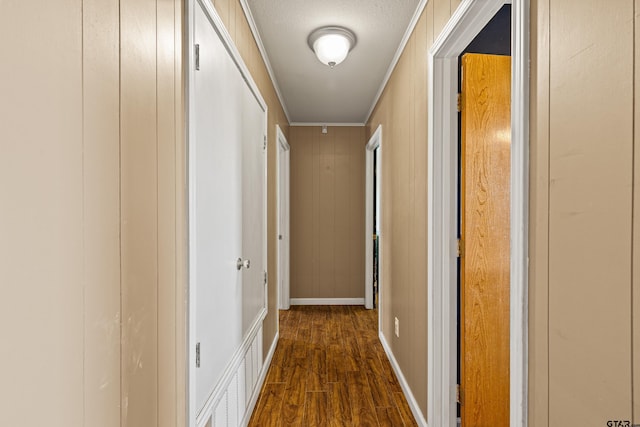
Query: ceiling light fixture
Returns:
{"type": "Point", "coordinates": [331, 44]}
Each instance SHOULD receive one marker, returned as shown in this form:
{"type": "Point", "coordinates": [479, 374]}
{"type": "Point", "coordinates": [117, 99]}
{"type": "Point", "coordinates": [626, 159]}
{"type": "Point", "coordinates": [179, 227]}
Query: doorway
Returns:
{"type": "Point", "coordinates": [443, 229]}
{"type": "Point", "coordinates": [283, 171]}
{"type": "Point", "coordinates": [372, 220]}
{"type": "Point", "coordinates": [484, 143]}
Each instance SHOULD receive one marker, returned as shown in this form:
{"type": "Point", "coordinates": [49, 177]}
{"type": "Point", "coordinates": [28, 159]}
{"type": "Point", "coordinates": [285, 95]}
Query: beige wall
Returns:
{"type": "Point", "coordinates": [582, 256]}
{"type": "Point", "coordinates": [90, 148]}
{"type": "Point", "coordinates": [402, 112]}
{"type": "Point", "coordinates": [152, 170]}
{"type": "Point", "coordinates": [327, 212]}
{"type": "Point", "coordinates": [236, 23]}
{"type": "Point", "coordinates": [582, 195]}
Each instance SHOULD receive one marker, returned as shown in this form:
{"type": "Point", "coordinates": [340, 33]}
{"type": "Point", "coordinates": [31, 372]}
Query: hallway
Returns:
{"type": "Point", "coordinates": [330, 369]}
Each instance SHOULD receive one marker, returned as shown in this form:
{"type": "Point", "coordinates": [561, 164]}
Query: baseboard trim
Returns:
{"type": "Point", "coordinates": [263, 375]}
{"type": "Point", "coordinates": [327, 301]}
{"type": "Point", "coordinates": [413, 404]}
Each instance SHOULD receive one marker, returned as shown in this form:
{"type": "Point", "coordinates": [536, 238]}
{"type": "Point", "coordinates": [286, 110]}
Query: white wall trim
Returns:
{"type": "Point", "coordinates": [283, 287]}
{"type": "Point", "coordinates": [413, 403]}
{"type": "Point", "coordinates": [263, 375]}
{"type": "Point", "coordinates": [374, 142]}
{"type": "Point", "coordinates": [319, 124]}
{"type": "Point", "coordinates": [468, 20]}
{"type": "Point", "coordinates": [396, 58]}
{"type": "Point", "coordinates": [251, 339]}
{"type": "Point", "coordinates": [263, 52]}
{"type": "Point", "coordinates": [327, 301]}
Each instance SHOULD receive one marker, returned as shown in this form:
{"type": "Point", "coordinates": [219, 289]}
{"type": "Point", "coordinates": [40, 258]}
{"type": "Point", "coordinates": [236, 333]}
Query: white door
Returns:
{"type": "Point", "coordinates": [227, 208]}
{"type": "Point", "coordinates": [254, 224]}
{"type": "Point", "coordinates": [283, 220]}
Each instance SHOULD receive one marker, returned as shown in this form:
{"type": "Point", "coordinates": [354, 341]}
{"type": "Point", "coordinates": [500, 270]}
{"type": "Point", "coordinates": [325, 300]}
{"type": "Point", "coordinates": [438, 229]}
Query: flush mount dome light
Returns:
{"type": "Point", "coordinates": [331, 44]}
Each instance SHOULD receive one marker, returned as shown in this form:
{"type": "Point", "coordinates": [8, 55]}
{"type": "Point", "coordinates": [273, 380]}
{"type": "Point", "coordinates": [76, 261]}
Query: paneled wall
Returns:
{"type": "Point", "coordinates": [583, 239]}
{"type": "Point", "coordinates": [402, 112]}
{"type": "Point", "coordinates": [91, 155]}
{"type": "Point", "coordinates": [583, 291]}
{"type": "Point", "coordinates": [236, 23]}
{"type": "Point", "coordinates": [153, 226]}
{"type": "Point", "coordinates": [327, 212]}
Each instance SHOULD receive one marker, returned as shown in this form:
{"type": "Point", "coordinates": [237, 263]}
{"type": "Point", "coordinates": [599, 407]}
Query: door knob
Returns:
{"type": "Point", "coordinates": [246, 263]}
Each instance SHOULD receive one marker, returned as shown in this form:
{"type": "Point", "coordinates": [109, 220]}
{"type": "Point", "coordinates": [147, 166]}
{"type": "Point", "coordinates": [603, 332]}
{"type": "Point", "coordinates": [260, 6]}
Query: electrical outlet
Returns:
{"type": "Point", "coordinates": [397, 324]}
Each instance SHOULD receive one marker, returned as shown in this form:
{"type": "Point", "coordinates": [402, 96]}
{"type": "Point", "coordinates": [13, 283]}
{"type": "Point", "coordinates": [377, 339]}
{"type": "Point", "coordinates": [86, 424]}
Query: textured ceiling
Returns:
{"type": "Point", "coordinates": [311, 91]}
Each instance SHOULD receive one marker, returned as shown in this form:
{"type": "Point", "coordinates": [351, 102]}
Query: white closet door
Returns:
{"type": "Point", "coordinates": [218, 207]}
{"type": "Point", "coordinates": [254, 204]}
{"type": "Point", "coordinates": [228, 206]}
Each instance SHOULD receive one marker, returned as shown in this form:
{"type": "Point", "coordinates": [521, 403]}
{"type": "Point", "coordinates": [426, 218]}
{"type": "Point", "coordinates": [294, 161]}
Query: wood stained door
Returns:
{"type": "Point", "coordinates": [485, 251]}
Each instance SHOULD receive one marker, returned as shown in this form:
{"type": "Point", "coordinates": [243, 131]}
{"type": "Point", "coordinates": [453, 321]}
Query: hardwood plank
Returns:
{"type": "Point", "coordinates": [267, 412]}
{"type": "Point", "coordinates": [343, 381]}
{"type": "Point", "coordinates": [315, 409]}
{"type": "Point", "coordinates": [379, 391]}
{"type": "Point", "coordinates": [336, 364]}
{"type": "Point", "coordinates": [389, 417]}
{"type": "Point", "coordinates": [293, 403]}
{"type": "Point", "coordinates": [339, 405]}
{"type": "Point", "coordinates": [317, 374]}
{"type": "Point", "coordinates": [362, 408]}
{"type": "Point", "coordinates": [403, 408]}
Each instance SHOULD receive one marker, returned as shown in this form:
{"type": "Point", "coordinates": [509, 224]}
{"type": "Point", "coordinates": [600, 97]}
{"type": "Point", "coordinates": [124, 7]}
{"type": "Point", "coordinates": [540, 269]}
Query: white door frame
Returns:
{"type": "Point", "coordinates": [283, 229]}
{"type": "Point", "coordinates": [468, 20]}
{"type": "Point", "coordinates": [374, 142]}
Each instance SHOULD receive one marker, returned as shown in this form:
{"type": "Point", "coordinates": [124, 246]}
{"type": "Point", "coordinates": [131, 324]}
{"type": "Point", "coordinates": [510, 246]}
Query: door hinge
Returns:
{"type": "Point", "coordinates": [459, 395]}
{"type": "Point", "coordinates": [459, 103]}
{"type": "Point", "coordinates": [197, 57]}
{"type": "Point", "coordinates": [265, 277]}
{"type": "Point", "coordinates": [264, 144]}
{"type": "Point", "coordinates": [197, 355]}
{"type": "Point", "coordinates": [460, 248]}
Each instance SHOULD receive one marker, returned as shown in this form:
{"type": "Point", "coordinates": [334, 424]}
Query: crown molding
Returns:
{"type": "Point", "coordinates": [263, 53]}
{"type": "Point", "coordinates": [396, 58]}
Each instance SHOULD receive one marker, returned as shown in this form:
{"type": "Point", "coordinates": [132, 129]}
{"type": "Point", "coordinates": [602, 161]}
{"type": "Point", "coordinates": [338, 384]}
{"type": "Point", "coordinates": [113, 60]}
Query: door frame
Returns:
{"type": "Point", "coordinates": [374, 142]}
{"type": "Point", "coordinates": [190, 297]}
{"type": "Point", "coordinates": [467, 21]}
{"type": "Point", "coordinates": [284, 299]}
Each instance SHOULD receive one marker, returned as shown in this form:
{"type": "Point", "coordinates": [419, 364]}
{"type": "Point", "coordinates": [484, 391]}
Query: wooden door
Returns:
{"type": "Point", "coordinates": [485, 252]}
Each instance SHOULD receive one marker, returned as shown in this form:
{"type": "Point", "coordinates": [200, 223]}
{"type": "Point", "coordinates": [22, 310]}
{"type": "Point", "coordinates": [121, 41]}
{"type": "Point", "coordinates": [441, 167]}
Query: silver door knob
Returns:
{"type": "Point", "coordinates": [240, 263]}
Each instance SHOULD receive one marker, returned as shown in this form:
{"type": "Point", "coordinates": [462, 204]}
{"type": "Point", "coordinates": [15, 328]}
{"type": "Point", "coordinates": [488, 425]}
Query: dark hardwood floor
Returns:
{"type": "Point", "coordinates": [329, 369]}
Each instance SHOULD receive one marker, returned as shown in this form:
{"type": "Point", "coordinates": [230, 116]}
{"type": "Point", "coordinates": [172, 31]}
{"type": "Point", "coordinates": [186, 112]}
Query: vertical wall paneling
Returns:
{"type": "Point", "coordinates": [168, 204]}
{"type": "Point", "coordinates": [402, 111]}
{"type": "Point", "coordinates": [442, 13]}
{"type": "Point", "coordinates": [41, 219]}
{"type": "Point", "coordinates": [635, 327]}
{"type": "Point", "coordinates": [101, 195]}
{"type": "Point", "coordinates": [327, 212]}
{"type": "Point", "coordinates": [454, 5]}
{"type": "Point", "coordinates": [79, 101]}
{"type": "Point", "coordinates": [419, 221]}
{"type": "Point", "coordinates": [539, 217]}
{"type": "Point", "coordinates": [139, 177]}
{"type": "Point", "coordinates": [343, 244]}
{"type": "Point", "coordinates": [590, 211]}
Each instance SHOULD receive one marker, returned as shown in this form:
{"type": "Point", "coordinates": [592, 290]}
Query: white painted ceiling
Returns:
{"type": "Point", "coordinates": [312, 92]}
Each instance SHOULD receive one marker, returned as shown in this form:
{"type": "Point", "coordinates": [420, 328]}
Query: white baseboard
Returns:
{"type": "Point", "coordinates": [263, 375]}
{"type": "Point", "coordinates": [327, 301]}
{"type": "Point", "coordinates": [413, 404]}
